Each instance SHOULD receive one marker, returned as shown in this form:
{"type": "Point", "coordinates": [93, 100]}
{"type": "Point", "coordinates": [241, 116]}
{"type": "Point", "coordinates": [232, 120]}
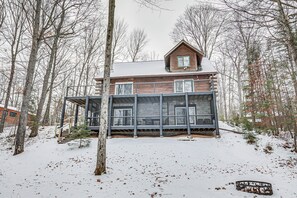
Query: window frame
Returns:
{"type": "Point", "coordinates": [183, 60]}
{"type": "Point", "coordinates": [12, 114]}
{"type": "Point", "coordinates": [122, 83]}
{"type": "Point", "coordinates": [123, 119]}
{"type": "Point", "coordinates": [183, 80]}
{"type": "Point", "coordinates": [192, 117]}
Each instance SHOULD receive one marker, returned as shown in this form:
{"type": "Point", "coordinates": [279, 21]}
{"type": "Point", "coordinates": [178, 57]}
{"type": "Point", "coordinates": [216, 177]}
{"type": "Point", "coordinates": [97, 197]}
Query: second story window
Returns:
{"type": "Point", "coordinates": [183, 61]}
{"type": "Point", "coordinates": [181, 86]}
{"type": "Point", "coordinates": [124, 89]}
{"type": "Point", "coordinates": [12, 114]}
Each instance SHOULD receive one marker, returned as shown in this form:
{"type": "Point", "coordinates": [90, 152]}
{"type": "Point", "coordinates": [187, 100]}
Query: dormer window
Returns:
{"type": "Point", "coordinates": [183, 61]}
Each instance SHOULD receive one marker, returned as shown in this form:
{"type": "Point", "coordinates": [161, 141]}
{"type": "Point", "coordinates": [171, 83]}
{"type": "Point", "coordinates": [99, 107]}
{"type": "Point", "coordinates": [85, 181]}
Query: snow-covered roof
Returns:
{"type": "Point", "coordinates": [153, 68]}
{"type": "Point", "coordinates": [10, 108]}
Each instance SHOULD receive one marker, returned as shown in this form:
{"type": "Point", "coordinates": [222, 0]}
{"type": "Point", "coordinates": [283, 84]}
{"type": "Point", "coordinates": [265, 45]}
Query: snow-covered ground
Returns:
{"type": "Point", "coordinates": [145, 167]}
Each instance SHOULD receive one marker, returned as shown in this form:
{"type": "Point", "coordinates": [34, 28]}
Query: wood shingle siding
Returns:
{"type": "Point", "coordinates": [183, 50]}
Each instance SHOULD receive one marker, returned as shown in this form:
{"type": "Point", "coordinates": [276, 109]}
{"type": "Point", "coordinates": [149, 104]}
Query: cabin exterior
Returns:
{"type": "Point", "coordinates": [12, 117]}
{"type": "Point", "coordinates": [173, 96]}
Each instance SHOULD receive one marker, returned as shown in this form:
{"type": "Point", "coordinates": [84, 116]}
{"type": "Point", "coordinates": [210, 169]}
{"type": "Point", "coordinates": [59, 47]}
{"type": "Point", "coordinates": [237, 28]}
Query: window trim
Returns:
{"type": "Point", "coordinates": [182, 66]}
{"type": "Point", "coordinates": [183, 80]}
{"type": "Point", "coordinates": [12, 114]}
{"type": "Point", "coordinates": [122, 83]}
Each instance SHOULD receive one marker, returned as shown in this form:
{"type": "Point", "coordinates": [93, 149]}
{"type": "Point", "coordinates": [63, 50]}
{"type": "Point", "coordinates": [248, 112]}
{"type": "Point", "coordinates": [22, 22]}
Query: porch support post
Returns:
{"type": "Point", "coordinates": [76, 116]}
{"type": "Point", "coordinates": [161, 115]}
{"type": "Point", "coordinates": [62, 117]}
{"type": "Point", "coordinates": [135, 115]}
{"type": "Point", "coordinates": [187, 111]}
{"type": "Point", "coordinates": [215, 113]}
{"type": "Point", "coordinates": [86, 110]}
{"type": "Point", "coordinates": [109, 116]}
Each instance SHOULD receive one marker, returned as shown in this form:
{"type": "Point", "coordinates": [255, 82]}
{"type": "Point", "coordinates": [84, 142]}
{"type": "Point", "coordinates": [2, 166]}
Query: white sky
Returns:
{"type": "Point", "coordinates": [157, 24]}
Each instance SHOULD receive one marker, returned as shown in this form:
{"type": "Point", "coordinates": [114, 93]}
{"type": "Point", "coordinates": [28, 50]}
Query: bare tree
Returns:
{"type": "Point", "coordinates": [137, 42]}
{"type": "Point", "coordinates": [13, 35]}
{"type": "Point", "coordinates": [20, 135]}
{"type": "Point", "coordinates": [101, 147]}
{"type": "Point", "coordinates": [277, 19]}
{"type": "Point", "coordinates": [119, 40]}
{"type": "Point", "coordinates": [201, 25]}
{"type": "Point", "coordinates": [2, 13]}
{"type": "Point", "coordinates": [54, 48]}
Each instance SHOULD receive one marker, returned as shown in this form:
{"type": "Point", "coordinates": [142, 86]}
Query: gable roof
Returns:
{"type": "Point", "coordinates": [185, 43]}
{"type": "Point", "coordinates": [153, 69]}
{"type": "Point", "coordinates": [158, 67]}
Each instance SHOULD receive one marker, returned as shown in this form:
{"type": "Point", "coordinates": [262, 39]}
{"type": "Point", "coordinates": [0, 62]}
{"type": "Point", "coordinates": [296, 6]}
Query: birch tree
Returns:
{"type": "Point", "coordinates": [101, 147]}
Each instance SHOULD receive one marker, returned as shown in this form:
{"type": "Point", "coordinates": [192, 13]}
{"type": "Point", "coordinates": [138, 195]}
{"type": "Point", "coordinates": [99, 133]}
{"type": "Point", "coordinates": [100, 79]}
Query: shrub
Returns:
{"type": "Point", "coordinates": [80, 132]}
{"type": "Point", "coordinates": [250, 138]}
{"type": "Point", "coordinates": [268, 148]}
{"type": "Point", "coordinates": [246, 124]}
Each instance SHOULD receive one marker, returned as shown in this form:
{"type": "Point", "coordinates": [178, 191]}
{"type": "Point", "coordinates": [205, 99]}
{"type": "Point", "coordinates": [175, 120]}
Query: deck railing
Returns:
{"type": "Point", "coordinates": [140, 88]}
{"type": "Point", "coordinates": [167, 120]}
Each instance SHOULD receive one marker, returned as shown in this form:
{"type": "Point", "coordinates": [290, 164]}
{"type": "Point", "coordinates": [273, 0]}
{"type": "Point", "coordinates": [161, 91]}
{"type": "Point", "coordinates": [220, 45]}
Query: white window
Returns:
{"type": "Point", "coordinates": [124, 89]}
{"type": "Point", "coordinates": [183, 61]}
{"type": "Point", "coordinates": [181, 86]}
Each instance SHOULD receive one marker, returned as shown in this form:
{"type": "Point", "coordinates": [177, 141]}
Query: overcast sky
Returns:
{"type": "Point", "coordinates": [157, 24]}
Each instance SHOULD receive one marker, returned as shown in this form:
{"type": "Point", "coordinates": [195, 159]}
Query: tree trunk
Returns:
{"type": "Point", "coordinates": [14, 50]}
{"type": "Point", "coordinates": [46, 117]}
{"type": "Point", "coordinates": [21, 131]}
{"type": "Point", "coordinates": [5, 110]}
{"type": "Point", "coordinates": [101, 149]}
{"type": "Point", "coordinates": [54, 49]}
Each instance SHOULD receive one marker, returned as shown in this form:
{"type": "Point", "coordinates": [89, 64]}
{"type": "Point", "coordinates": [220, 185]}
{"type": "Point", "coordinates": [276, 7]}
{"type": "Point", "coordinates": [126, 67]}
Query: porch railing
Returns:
{"type": "Point", "coordinates": [167, 120]}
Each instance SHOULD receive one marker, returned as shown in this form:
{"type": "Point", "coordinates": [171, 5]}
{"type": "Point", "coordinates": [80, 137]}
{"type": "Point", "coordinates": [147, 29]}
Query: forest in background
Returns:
{"type": "Point", "coordinates": [252, 43]}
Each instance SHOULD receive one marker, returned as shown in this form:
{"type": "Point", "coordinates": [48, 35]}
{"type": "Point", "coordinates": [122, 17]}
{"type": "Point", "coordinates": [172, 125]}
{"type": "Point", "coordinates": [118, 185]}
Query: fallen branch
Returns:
{"type": "Point", "coordinates": [232, 131]}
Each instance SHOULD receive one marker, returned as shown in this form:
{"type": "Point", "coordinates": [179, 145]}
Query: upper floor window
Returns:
{"type": "Point", "coordinates": [181, 86]}
{"type": "Point", "coordinates": [12, 114]}
{"type": "Point", "coordinates": [183, 61]}
{"type": "Point", "coordinates": [124, 89]}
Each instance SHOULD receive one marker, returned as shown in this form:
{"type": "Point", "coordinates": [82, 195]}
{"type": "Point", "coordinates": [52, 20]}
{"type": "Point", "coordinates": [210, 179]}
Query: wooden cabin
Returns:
{"type": "Point", "coordinates": [13, 115]}
{"type": "Point", "coordinates": [173, 96]}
